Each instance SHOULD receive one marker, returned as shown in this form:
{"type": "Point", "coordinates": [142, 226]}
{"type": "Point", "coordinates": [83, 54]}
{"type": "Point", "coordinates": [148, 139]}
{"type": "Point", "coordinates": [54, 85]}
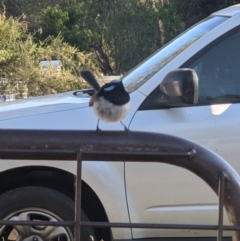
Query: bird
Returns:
{"type": "Point", "coordinates": [110, 102]}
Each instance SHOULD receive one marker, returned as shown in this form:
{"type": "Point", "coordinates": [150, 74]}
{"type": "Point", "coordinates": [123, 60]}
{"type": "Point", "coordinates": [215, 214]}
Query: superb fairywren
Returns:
{"type": "Point", "coordinates": [110, 102]}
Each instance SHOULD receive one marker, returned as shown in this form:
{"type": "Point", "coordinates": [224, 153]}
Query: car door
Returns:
{"type": "Point", "coordinates": [168, 194]}
{"type": "Point", "coordinates": [219, 70]}
{"type": "Point", "coordinates": [161, 193]}
{"type": "Point", "coordinates": [222, 89]}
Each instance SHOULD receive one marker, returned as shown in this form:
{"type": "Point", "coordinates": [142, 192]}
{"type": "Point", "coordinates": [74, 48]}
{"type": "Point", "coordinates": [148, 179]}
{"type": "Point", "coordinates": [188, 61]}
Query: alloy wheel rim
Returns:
{"type": "Point", "coordinates": [34, 233]}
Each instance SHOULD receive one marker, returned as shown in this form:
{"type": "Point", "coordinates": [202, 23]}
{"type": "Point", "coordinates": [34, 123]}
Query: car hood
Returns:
{"type": "Point", "coordinates": [43, 104]}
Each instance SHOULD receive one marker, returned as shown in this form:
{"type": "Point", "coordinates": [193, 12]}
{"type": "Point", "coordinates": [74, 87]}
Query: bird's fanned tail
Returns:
{"type": "Point", "coordinates": [90, 79]}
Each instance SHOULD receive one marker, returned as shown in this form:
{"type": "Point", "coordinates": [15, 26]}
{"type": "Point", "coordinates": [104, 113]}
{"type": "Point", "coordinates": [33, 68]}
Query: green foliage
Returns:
{"type": "Point", "coordinates": [20, 57]}
{"type": "Point", "coordinates": [119, 33]}
{"type": "Point", "coordinates": [30, 10]}
{"type": "Point", "coordinates": [54, 20]}
{"type": "Point", "coordinates": [192, 12]}
{"type": "Point", "coordinates": [130, 33]}
{"type": "Point", "coordinates": [72, 21]}
{"type": "Point", "coordinates": [170, 22]}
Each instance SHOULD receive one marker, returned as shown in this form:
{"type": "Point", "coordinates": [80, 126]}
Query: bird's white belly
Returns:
{"type": "Point", "coordinates": [108, 112]}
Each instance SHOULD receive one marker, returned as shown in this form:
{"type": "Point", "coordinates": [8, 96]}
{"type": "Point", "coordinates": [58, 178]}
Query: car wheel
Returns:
{"type": "Point", "coordinates": [41, 204]}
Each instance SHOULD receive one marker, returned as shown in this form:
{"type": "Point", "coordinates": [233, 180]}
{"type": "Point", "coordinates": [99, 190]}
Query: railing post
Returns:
{"type": "Point", "coordinates": [221, 186]}
{"type": "Point", "coordinates": [78, 194]}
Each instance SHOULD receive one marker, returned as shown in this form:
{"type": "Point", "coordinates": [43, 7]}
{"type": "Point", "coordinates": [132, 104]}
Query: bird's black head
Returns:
{"type": "Point", "coordinates": [114, 92]}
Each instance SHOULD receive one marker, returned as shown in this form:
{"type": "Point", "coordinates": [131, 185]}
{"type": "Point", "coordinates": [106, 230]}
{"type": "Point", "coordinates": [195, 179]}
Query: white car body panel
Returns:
{"type": "Point", "coordinates": [44, 101]}
{"type": "Point", "coordinates": [168, 182]}
{"type": "Point", "coordinates": [228, 134]}
{"type": "Point", "coordinates": [203, 124]}
{"type": "Point", "coordinates": [154, 192]}
{"type": "Point", "coordinates": [54, 120]}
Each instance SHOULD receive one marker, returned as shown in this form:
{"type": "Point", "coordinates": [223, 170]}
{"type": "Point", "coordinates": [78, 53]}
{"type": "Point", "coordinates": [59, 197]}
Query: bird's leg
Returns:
{"type": "Point", "coordinates": [125, 128]}
{"type": "Point", "coordinates": [98, 130]}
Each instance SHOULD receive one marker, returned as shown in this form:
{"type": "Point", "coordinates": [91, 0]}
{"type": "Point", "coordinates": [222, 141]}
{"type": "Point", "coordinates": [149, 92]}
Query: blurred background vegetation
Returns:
{"type": "Point", "coordinates": [108, 37]}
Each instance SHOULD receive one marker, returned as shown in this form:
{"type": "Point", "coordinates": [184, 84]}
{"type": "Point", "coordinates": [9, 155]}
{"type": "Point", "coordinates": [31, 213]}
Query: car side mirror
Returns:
{"type": "Point", "coordinates": [180, 87]}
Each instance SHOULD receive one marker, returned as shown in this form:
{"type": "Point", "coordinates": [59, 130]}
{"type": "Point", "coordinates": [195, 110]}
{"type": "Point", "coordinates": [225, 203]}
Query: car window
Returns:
{"type": "Point", "coordinates": [146, 69]}
{"type": "Point", "coordinates": [218, 70]}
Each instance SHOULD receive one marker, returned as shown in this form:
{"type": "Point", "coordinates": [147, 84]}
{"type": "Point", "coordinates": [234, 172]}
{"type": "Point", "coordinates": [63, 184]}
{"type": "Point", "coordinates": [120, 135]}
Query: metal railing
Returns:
{"type": "Point", "coordinates": [128, 147]}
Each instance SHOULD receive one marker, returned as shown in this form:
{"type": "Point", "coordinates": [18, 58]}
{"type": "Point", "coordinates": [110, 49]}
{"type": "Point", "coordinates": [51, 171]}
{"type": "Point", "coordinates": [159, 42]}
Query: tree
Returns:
{"type": "Point", "coordinates": [20, 57]}
{"type": "Point", "coordinates": [193, 11]}
{"type": "Point", "coordinates": [53, 21]}
{"type": "Point", "coordinates": [130, 33]}
{"type": "Point", "coordinates": [30, 10]}
{"type": "Point", "coordinates": [170, 22]}
{"type": "Point", "coordinates": [79, 25]}
{"type": "Point", "coordinates": [120, 33]}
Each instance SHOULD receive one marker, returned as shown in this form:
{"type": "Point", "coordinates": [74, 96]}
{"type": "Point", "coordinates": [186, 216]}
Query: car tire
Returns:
{"type": "Point", "coordinates": [39, 203]}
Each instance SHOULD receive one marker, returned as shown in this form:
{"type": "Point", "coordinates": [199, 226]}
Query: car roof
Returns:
{"type": "Point", "coordinates": [230, 11]}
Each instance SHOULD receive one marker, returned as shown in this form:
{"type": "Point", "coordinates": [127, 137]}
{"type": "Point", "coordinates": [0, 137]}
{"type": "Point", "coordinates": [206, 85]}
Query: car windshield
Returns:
{"type": "Point", "coordinates": [150, 66]}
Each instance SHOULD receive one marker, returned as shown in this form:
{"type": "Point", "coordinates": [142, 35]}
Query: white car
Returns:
{"type": "Point", "coordinates": [134, 192]}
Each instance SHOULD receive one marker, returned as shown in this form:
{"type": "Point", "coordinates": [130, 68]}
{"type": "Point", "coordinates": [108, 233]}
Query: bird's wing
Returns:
{"type": "Point", "coordinates": [93, 99]}
{"type": "Point", "coordinates": [90, 79]}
